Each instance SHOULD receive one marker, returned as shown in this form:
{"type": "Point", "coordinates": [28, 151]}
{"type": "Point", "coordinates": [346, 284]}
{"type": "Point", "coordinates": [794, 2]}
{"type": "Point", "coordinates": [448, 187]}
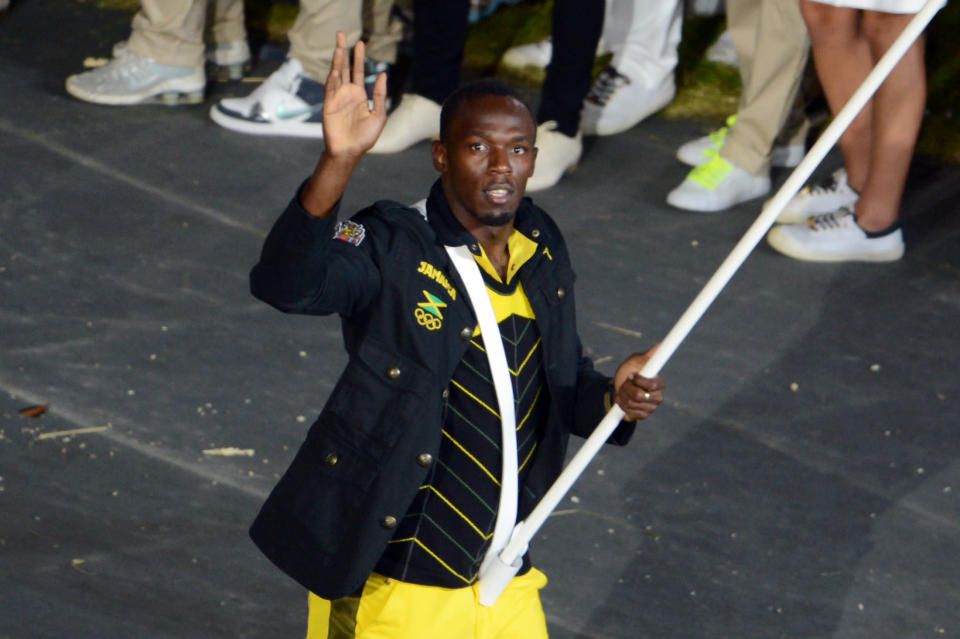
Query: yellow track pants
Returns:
{"type": "Point", "coordinates": [391, 609]}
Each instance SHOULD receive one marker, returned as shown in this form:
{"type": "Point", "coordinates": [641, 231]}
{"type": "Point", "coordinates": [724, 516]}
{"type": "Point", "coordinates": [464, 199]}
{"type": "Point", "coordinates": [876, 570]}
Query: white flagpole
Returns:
{"type": "Point", "coordinates": [492, 583]}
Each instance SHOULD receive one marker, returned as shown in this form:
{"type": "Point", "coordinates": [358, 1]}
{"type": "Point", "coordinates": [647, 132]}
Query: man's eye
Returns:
{"type": "Point", "coordinates": [519, 150]}
{"type": "Point", "coordinates": [477, 146]}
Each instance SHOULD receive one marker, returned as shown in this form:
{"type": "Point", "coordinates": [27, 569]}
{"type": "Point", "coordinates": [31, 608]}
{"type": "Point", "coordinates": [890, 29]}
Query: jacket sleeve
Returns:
{"type": "Point", "coordinates": [592, 388]}
{"type": "Point", "coordinates": [594, 399]}
{"type": "Point", "coordinates": [304, 269]}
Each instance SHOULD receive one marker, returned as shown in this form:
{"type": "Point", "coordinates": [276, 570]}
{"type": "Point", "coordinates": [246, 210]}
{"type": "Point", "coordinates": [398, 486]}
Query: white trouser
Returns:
{"type": "Point", "coordinates": [643, 36]}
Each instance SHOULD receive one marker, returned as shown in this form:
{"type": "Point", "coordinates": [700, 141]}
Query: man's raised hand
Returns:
{"type": "Point", "coordinates": [350, 127]}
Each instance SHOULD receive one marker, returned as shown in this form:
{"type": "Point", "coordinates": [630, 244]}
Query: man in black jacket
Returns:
{"type": "Point", "coordinates": [430, 447]}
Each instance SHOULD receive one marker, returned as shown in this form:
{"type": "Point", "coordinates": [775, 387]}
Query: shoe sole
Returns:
{"type": "Point", "coordinates": [293, 129]}
{"type": "Point", "coordinates": [790, 250]}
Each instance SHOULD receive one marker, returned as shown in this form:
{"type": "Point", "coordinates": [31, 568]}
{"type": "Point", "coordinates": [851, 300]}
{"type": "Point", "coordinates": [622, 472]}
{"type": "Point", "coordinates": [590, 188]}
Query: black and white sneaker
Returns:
{"type": "Point", "coordinates": [616, 103]}
{"type": "Point", "coordinates": [819, 199]}
{"type": "Point", "coordinates": [286, 103]}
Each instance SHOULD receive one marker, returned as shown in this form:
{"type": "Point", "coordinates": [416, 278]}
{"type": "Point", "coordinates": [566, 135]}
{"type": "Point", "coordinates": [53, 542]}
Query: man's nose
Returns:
{"type": "Point", "coordinates": [498, 162]}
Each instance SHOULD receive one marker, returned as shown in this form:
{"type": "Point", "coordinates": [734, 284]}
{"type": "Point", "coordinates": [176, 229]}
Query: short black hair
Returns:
{"type": "Point", "coordinates": [476, 89]}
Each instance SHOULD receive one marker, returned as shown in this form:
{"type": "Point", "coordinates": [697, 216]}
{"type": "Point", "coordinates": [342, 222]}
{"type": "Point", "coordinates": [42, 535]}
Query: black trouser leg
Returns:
{"type": "Point", "coordinates": [439, 33]}
{"type": "Point", "coordinates": [576, 31]}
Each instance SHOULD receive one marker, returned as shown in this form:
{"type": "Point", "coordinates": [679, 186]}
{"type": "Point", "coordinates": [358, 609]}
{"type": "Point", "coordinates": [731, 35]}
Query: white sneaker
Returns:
{"type": "Point", "coordinates": [717, 184]}
{"type": "Point", "coordinates": [557, 155]}
{"type": "Point", "coordinates": [415, 119]}
{"type": "Point", "coordinates": [134, 79]}
{"type": "Point", "coordinates": [286, 103]}
{"type": "Point", "coordinates": [616, 103]}
{"type": "Point", "coordinates": [695, 152]}
{"type": "Point", "coordinates": [817, 199]}
{"type": "Point", "coordinates": [535, 54]}
{"type": "Point", "coordinates": [836, 237]}
{"type": "Point", "coordinates": [722, 50]}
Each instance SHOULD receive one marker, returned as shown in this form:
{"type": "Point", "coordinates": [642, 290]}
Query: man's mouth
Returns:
{"type": "Point", "coordinates": [499, 193]}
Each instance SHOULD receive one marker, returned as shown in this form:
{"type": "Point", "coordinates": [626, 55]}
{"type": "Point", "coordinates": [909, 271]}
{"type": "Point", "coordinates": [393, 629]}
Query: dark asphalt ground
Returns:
{"type": "Point", "coordinates": [802, 480]}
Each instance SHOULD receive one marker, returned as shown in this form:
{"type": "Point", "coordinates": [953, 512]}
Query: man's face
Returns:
{"type": "Point", "coordinates": [485, 159]}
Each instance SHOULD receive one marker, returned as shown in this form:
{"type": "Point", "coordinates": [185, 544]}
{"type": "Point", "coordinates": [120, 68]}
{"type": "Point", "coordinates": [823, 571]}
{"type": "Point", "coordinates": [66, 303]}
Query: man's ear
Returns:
{"type": "Point", "coordinates": [439, 153]}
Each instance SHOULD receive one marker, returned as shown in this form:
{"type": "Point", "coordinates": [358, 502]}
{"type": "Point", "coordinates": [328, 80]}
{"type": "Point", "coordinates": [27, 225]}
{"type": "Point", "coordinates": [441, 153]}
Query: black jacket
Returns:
{"type": "Point", "coordinates": [329, 518]}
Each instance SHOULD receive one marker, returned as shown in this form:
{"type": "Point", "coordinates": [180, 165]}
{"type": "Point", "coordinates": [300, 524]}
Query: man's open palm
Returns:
{"type": "Point", "coordinates": [350, 127]}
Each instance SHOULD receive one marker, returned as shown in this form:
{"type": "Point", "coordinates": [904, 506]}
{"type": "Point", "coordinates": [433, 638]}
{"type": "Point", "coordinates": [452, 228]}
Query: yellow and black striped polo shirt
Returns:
{"type": "Point", "coordinates": [442, 539]}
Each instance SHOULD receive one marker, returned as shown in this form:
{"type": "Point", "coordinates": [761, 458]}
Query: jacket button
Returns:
{"type": "Point", "coordinates": [331, 459]}
{"type": "Point", "coordinates": [535, 233]}
{"type": "Point", "coordinates": [393, 372]}
{"type": "Point", "coordinates": [389, 522]}
{"type": "Point", "coordinates": [466, 333]}
{"type": "Point", "coordinates": [561, 292]}
{"type": "Point", "coordinates": [424, 459]}
{"type": "Point", "coordinates": [445, 394]}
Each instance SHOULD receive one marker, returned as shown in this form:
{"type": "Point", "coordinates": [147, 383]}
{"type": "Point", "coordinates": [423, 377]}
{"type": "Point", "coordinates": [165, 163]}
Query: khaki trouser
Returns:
{"type": "Point", "coordinates": [313, 34]}
{"type": "Point", "coordinates": [171, 31]}
{"type": "Point", "coordinates": [772, 45]}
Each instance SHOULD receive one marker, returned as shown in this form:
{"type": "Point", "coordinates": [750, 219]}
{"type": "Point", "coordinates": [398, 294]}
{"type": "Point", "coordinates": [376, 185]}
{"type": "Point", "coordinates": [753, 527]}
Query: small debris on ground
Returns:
{"type": "Point", "coordinates": [229, 451]}
{"type": "Point", "coordinates": [66, 434]}
{"type": "Point", "coordinates": [35, 411]}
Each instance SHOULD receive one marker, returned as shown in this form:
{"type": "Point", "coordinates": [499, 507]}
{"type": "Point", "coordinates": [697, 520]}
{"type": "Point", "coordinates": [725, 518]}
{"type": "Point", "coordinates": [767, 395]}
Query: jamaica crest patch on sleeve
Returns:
{"type": "Point", "coordinates": [350, 232]}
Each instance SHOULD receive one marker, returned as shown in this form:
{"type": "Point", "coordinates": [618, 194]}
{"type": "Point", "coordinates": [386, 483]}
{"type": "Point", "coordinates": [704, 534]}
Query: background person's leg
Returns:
{"type": "Point", "coordinates": [772, 48]}
{"type": "Point", "coordinates": [314, 33]}
{"type": "Point", "coordinates": [897, 113]}
{"type": "Point", "coordinates": [381, 33]}
{"type": "Point", "coordinates": [842, 57]}
{"type": "Point", "coordinates": [169, 31]}
{"type": "Point", "coordinates": [576, 30]}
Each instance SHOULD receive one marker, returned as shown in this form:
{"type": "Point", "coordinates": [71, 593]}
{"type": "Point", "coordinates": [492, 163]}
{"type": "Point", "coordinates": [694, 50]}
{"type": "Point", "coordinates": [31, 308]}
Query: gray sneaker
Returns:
{"type": "Point", "coordinates": [134, 79]}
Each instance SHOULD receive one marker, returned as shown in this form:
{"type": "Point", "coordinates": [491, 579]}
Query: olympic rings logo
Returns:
{"type": "Point", "coordinates": [428, 320]}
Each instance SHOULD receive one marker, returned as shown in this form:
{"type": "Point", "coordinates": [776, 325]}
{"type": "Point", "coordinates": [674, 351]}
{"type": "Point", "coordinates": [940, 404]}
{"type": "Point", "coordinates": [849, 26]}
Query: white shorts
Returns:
{"type": "Point", "coordinates": [887, 6]}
